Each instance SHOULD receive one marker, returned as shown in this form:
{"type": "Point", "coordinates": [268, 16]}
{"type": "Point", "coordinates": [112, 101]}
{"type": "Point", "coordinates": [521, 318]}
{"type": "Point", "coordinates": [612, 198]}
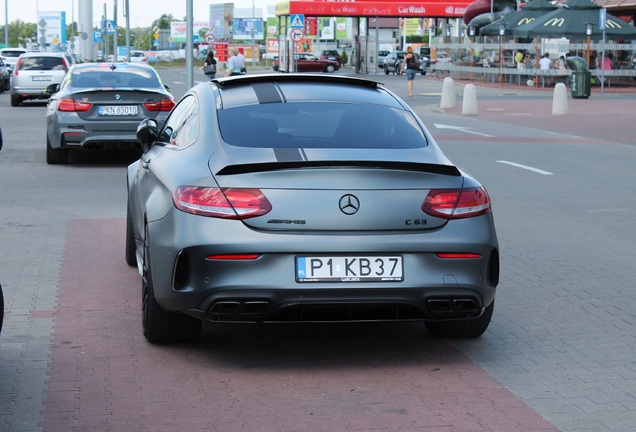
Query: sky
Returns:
{"type": "Point", "coordinates": [142, 12]}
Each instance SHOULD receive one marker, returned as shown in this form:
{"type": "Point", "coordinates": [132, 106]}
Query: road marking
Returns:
{"type": "Point", "coordinates": [537, 170]}
{"type": "Point", "coordinates": [462, 129]}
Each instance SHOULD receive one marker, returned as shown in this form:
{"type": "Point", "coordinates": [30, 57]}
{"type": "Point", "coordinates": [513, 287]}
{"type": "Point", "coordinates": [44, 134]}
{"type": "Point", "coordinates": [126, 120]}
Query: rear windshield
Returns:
{"type": "Point", "coordinates": [12, 53]}
{"type": "Point", "coordinates": [105, 77]}
{"type": "Point", "coordinates": [320, 125]}
{"type": "Point", "coordinates": [42, 63]}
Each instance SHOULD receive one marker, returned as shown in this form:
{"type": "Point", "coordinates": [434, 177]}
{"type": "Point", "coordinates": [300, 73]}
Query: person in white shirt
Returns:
{"type": "Point", "coordinates": [545, 63]}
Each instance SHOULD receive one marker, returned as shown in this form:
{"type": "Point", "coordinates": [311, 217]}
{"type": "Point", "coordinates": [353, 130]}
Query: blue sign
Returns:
{"type": "Point", "coordinates": [297, 21]}
{"type": "Point", "coordinates": [97, 36]}
{"type": "Point", "coordinates": [602, 17]}
{"type": "Point", "coordinates": [109, 26]}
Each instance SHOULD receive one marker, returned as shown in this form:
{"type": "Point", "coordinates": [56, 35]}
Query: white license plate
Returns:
{"type": "Point", "coordinates": [41, 78]}
{"type": "Point", "coordinates": [349, 269]}
{"type": "Point", "coordinates": [118, 110]}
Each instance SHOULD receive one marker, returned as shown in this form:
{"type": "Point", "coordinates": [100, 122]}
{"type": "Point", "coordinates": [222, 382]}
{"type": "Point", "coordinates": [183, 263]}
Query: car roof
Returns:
{"type": "Point", "coordinates": [111, 66]}
{"type": "Point", "coordinates": [43, 54]}
{"type": "Point", "coordinates": [284, 88]}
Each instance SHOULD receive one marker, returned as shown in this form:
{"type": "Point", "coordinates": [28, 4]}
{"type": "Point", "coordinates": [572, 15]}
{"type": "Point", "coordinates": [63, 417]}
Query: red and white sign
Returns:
{"type": "Point", "coordinates": [209, 38]}
{"type": "Point", "coordinates": [296, 34]}
{"type": "Point", "coordinates": [383, 8]}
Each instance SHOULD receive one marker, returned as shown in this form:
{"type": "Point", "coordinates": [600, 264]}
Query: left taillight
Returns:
{"type": "Point", "coordinates": [71, 105]}
{"type": "Point", "coordinates": [457, 203]}
{"type": "Point", "coordinates": [165, 104]}
{"type": "Point", "coordinates": [225, 203]}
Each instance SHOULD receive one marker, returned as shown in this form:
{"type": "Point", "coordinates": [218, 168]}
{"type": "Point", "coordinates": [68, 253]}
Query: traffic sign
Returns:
{"type": "Point", "coordinates": [297, 21]}
{"type": "Point", "coordinates": [296, 34]}
{"type": "Point", "coordinates": [209, 38]}
{"type": "Point", "coordinates": [602, 18]}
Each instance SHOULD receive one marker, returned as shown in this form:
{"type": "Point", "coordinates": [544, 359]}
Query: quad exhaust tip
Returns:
{"type": "Point", "coordinates": [227, 308]}
{"type": "Point", "coordinates": [453, 306]}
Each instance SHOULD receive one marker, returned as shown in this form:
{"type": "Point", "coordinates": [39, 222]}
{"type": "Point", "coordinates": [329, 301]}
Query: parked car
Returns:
{"type": "Point", "coordinates": [291, 197]}
{"type": "Point", "coordinates": [381, 56]}
{"type": "Point", "coordinates": [332, 55]}
{"type": "Point", "coordinates": [5, 77]}
{"type": "Point", "coordinates": [393, 62]}
{"type": "Point", "coordinates": [309, 63]}
{"type": "Point", "coordinates": [425, 63]}
{"type": "Point", "coordinates": [138, 57]}
{"type": "Point", "coordinates": [10, 56]}
{"type": "Point", "coordinates": [99, 105]}
{"type": "Point", "coordinates": [34, 72]}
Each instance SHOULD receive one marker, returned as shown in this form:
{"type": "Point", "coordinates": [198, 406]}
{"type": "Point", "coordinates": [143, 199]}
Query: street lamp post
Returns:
{"type": "Point", "coordinates": [588, 31]}
{"type": "Point", "coordinates": [502, 32]}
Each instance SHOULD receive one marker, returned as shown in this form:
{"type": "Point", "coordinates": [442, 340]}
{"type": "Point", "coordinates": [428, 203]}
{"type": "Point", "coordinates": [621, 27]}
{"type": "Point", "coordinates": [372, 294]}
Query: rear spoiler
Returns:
{"type": "Point", "coordinates": [449, 170]}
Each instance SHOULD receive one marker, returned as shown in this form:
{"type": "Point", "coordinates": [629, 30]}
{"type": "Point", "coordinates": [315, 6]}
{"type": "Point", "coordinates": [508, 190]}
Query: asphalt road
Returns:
{"type": "Point", "coordinates": [559, 354]}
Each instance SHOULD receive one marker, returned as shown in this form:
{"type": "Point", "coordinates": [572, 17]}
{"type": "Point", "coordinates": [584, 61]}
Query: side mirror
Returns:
{"type": "Point", "coordinates": [147, 133]}
{"type": "Point", "coordinates": [52, 89]}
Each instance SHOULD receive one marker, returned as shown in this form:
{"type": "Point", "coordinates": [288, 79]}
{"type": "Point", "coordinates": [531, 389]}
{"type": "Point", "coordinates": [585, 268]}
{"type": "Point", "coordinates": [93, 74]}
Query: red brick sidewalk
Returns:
{"type": "Point", "coordinates": [105, 377]}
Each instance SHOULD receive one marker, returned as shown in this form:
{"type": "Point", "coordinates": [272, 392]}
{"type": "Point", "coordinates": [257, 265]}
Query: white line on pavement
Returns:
{"type": "Point", "coordinates": [537, 170]}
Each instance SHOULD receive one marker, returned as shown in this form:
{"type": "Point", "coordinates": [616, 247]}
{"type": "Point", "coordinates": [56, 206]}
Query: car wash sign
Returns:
{"type": "Point", "coordinates": [51, 28]}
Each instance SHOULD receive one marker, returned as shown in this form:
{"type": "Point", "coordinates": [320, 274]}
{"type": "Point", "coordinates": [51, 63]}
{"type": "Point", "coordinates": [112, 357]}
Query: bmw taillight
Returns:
{"type": "Point", "coordinates": [226, 203]}
{"type": "Point", "coordinates": [71, 105]}
{"type": "Point", "coordinates": [165, 104]}
{"type": "Point", "coordinates": [457, 203]}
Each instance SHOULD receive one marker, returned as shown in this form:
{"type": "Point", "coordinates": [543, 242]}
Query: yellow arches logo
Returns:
{"type": "Point", "coordinates": [555, 22]}
{"type": "Point", "coordinates": [612, 24]}
{"type": "Point", "coordinates": [523, 21]}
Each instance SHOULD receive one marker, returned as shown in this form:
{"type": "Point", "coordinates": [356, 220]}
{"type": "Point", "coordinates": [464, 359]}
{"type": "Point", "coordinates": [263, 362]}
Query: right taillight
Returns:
{"type": "Point", "coordinates": [226, 203]}
{"type": "Point", "coordinates": [457, 203]}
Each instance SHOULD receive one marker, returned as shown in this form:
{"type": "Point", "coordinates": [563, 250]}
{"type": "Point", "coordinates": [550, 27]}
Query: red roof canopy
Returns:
{"type": "Point", "coordinates": [386, 8]}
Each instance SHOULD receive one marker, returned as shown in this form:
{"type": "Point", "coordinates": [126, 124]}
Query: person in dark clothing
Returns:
{"type": "Point", "coordinates": [209, 61]}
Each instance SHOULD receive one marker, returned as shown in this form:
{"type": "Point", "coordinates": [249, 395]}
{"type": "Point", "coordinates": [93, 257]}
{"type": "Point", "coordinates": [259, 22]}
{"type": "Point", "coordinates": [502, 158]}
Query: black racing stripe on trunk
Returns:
{"type": "Point", "coordinates": [288, 155]}
{"type": "Point", "coordinates": [267, 93]}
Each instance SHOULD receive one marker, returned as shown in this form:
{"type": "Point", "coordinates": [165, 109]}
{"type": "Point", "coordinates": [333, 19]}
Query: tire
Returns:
{"type": "Point", "coordinates": [386, 70]}
{"type": "Point", "coordinates": [131, 247]}
{"type": "Point", "coordinates": [160, 326]}
{"type": "Point", "coordinates": [55, 156]}
{"type": "Point", "coordinates": [7, 85]}
{"type": "Point", "coordinates": [15, 100]}
{"type": "Point", "coordinates": [462, 328]}
{"type": "Point", "coordinates": [331, 68]}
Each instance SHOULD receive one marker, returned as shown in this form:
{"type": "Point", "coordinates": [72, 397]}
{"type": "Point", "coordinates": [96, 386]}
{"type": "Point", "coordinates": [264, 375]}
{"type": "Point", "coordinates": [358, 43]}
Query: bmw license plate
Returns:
{"type": "Point", "coordinates": [118, 110]}
{"type": "Point", "coordinates": [41, 78]}
{"type": "Point", "coordinates": [349, 269]}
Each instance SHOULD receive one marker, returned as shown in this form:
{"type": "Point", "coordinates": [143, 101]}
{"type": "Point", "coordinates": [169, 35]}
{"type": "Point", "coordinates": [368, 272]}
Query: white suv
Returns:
{"type": "Point", "coordinates": [34, 72]}
{"type": "Point", "coordinates": [10, 56]}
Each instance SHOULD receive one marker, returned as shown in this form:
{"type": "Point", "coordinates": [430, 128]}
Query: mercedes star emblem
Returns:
{"type": "Point", "coordinates": [349, 204]}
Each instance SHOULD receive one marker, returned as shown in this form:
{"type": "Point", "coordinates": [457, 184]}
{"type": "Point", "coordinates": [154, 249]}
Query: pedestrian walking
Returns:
{"type": "Point", "coordinates": [410, 66]}
{"type": "Point", "coordinates": [209, 65]}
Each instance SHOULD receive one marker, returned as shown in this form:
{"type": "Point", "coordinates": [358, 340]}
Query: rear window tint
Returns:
{"type": "Point", "coordinates": [10, 53]}
{"type": "Point", "coordinates": [320, 125]}
{"type": "Point", "coordinates": [114, 78]}
{"type": "Point", "coordinates": [42, 63]}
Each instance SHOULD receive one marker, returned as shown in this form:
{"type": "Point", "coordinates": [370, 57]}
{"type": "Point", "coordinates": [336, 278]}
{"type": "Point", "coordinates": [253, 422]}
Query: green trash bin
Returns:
{"type": "Point", "coordinates": [581, 80]}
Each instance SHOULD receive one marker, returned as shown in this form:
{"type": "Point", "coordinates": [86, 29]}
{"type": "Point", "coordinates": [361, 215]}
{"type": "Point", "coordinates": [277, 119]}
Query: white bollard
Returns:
{"type": "Point", "coordinates": [560, 100]}
{"type": "Point", "coordinates": [448, 94]}
{"type": "Point", "coordinates": [469, 107]}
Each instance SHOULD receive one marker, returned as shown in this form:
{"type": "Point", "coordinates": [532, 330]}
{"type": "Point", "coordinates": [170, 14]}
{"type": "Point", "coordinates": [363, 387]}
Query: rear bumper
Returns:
{"type": "Point", "coordinates": [265, 289]}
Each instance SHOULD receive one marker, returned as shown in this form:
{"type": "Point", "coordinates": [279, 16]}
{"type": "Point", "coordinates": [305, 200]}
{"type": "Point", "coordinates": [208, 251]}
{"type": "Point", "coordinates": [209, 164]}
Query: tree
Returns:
{"type": "Point", "coordinates": [20, 33]}
{"type": "Point", "coordinates": [164, 21]}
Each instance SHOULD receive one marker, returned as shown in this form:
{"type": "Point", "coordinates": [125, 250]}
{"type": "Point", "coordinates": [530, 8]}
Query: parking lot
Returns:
{"type": "Point", "coordinates": [558, 355]}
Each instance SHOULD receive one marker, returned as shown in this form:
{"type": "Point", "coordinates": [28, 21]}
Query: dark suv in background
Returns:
{"type": "Point", "coordinates": [330, 55]}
